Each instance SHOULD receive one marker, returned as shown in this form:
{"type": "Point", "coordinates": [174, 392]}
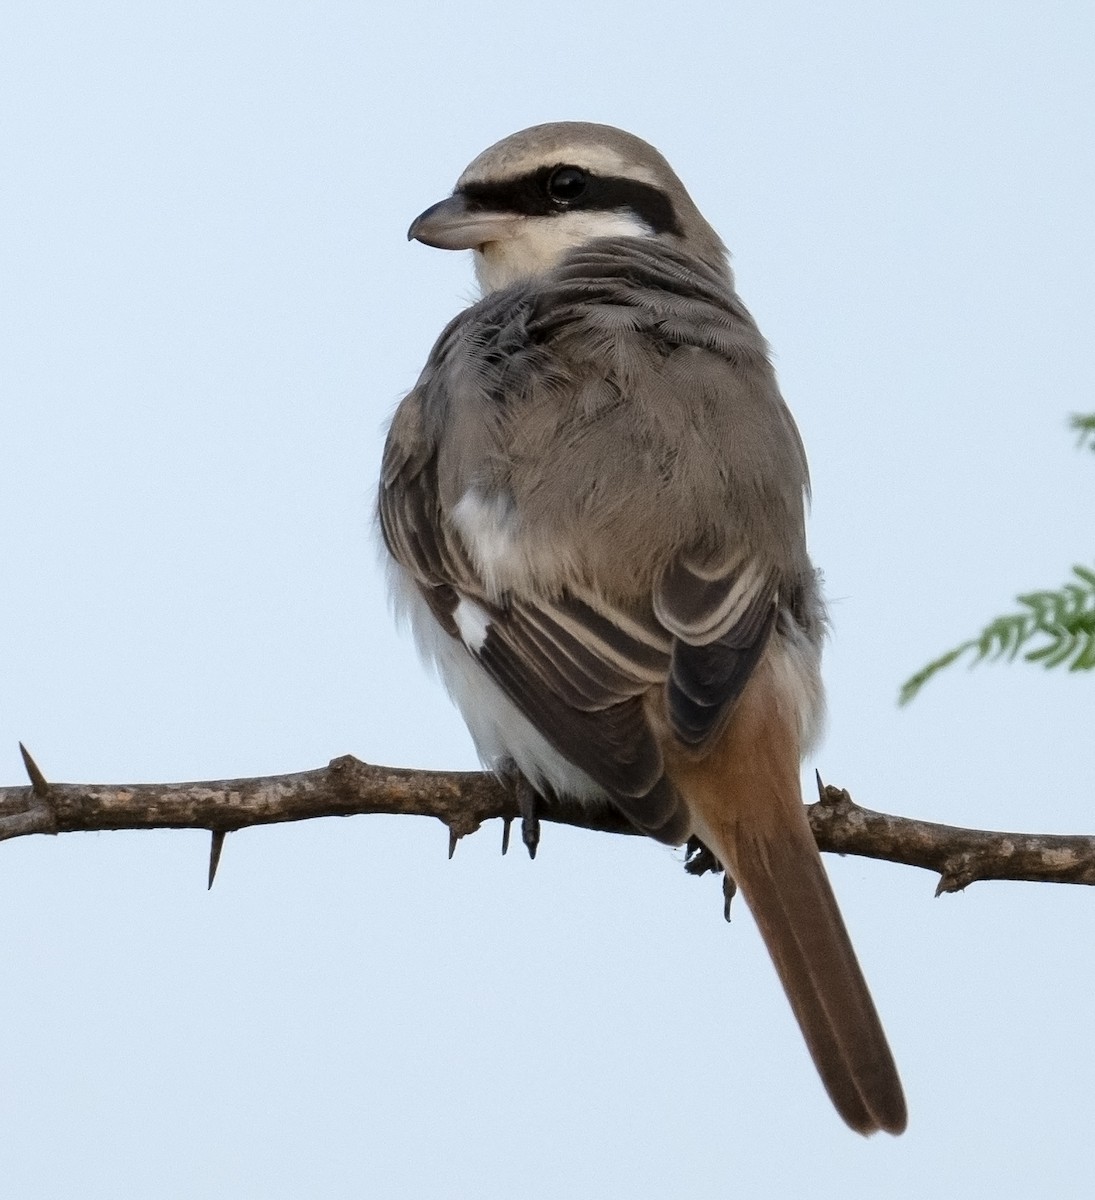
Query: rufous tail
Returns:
{"type": "Point", "coordinates": [745, 801]}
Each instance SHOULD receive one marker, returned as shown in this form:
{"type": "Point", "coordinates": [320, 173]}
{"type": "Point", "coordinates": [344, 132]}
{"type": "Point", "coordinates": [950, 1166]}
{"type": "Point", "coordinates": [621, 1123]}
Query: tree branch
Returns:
{"type": "Point", "coordinates": [463, 800]}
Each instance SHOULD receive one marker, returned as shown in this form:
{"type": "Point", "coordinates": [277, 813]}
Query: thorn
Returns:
{"type": "Point", "coordinates": [527, 802]}
{"type": "Point", "coordinates": [453, 839]}
{"type": "Point", "coordinates": [506, 823]}
{"type": "Point", "coordinates": [216, 845]}
{"type": "Point", "coordinates": [820, 786]}
{"type": "Point", "coordinates": [955, 876]}
{"type": "Point", "coordinates": [38, 784]}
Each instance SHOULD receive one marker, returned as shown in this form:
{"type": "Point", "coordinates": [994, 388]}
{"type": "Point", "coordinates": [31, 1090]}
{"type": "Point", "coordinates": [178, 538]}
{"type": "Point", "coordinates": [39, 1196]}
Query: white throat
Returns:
{"type": "Point", "coordinates": [541, 243]}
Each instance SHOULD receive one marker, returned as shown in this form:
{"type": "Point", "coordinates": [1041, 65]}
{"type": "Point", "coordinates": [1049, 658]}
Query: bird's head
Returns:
{"type": "Point", "coordinates": [532, 197]}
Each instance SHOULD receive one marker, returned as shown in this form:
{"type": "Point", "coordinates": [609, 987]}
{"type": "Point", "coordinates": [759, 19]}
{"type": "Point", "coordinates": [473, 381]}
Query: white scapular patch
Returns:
{"type": "Point", "coordinates": [488, 527]}
{"type": "Point", "coordinates": [473, 623]}
{"type": "Point", "coordinates": [541, 242]}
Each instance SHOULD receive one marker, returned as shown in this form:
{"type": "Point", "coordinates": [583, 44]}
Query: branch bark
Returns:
{"type": "Point", "coordinates": [463, 800]}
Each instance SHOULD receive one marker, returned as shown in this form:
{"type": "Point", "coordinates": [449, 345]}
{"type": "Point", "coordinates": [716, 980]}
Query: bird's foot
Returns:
{"type": "Point", "coordinates": [528, 801]}
{"type": "Point", "coordinates": [528, 804]}
{"type": "Point", "coordinates": [698, 860]}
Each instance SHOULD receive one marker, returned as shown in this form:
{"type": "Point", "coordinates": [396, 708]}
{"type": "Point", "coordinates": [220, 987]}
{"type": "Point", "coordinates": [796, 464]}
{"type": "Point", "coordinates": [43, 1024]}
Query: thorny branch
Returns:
{"type": "Point", "coordinates": [463, 800]}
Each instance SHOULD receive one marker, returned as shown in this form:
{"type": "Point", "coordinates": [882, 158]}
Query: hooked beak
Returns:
{"type": "Point", "coordinates": [452, 225]}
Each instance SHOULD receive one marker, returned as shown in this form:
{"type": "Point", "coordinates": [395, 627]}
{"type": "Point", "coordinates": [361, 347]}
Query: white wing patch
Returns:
{"type": "Point", "coordinates": [487, 525]}
{"type": "Point", "coordinates": [473, 623]}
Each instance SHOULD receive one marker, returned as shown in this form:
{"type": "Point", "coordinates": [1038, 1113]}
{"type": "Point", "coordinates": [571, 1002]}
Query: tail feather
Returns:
{"type": "Point", "coordinates": [745, 803]}
{"type": "Point", "coordinates": [789, 895]}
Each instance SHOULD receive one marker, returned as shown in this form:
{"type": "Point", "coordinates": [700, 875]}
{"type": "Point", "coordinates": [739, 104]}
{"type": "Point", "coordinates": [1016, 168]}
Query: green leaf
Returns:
{"type": "Point", "coordinates": [1084, 426]}
{"type": "Point", "coordinates": [1060, 652]}
{"type": "Point", "coordinates": [1085, 660]}
{"type": "Point", "coordinates": [1051, 628]}
{"type": "Point", "coordinates": [911, 686]}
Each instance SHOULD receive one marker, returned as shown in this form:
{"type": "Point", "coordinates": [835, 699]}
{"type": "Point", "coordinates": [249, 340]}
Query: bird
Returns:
{"type": "Point", "coordinates": [593, 502]}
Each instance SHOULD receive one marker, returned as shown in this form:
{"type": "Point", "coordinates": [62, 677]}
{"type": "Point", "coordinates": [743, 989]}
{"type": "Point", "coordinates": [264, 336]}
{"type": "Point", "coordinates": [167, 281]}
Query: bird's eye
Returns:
{"type": "Point", "coordinates": [567, 184]}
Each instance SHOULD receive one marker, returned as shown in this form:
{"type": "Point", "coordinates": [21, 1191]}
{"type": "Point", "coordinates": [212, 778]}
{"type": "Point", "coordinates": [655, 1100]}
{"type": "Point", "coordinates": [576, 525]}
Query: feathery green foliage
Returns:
{"type": "Point", "coordinates": [1058, 627]}
{"type": "Point", "coordinates": [1084, 424]}
{"type": "Point", "coordinates": [1054, 628]}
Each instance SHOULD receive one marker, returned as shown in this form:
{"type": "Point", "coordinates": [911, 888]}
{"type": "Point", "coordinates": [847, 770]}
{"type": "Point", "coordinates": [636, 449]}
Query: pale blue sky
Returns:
{"type": "Point", "coordinates": [208, 311]}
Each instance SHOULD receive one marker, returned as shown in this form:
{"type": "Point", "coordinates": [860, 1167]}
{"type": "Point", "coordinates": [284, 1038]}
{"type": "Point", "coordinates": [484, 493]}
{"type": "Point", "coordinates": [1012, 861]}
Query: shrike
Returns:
{"type": "Point", "coordinates": [594, 503]}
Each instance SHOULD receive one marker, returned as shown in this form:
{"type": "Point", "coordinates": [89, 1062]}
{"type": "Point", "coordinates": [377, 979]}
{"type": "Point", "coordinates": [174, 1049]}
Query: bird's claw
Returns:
{"type": "Point", "coordinates": [528, 803]}
{"type": "Point", "coordinates": [698, 860]}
